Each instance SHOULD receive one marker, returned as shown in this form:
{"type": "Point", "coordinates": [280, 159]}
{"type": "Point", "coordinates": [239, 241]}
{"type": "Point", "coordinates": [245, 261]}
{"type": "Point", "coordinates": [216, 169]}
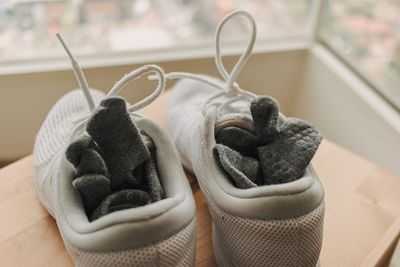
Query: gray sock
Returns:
{"type": "Point", "coordinates": [91, 172]}
{"type": "Point", "coordinates": [283, 152]}
{"type": "Point", "coordinates": [243, 170]}
{"type": "Point", "coordinates": [265, 113]}
{"type": "Point", "coordinates": [93, 189]}
{"type": "Point", "coordinates": [153, 184]}
{"type": "Point", "coordinates": [239, 139]}
{"type": "Point", "coordinates": [120, 140]}
{"type": "Point", "coordinates": [285, 159]}
{"type": "Point", "coordinates": [114, 166]}
{"type": "Point", "coordinates": [86, 157]}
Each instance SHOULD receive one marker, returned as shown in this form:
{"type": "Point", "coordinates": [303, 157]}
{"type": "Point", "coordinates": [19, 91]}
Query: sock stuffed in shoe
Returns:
{"type": "Point", "coordinates": [283, 148]}
{"type": "Point", "coordinates": [115, 163]}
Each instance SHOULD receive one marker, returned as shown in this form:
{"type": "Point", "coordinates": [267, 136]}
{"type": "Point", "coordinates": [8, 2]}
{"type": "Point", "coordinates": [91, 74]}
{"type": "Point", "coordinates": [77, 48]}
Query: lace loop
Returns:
{"type": "Point", "coordinates": [81, 122]}
{"type": "Point", "coordinates": [136, 74]}
{"type": "Point", "coordinates": [230, 89]}
{"type": "Point", "coordinates": [232, 77]}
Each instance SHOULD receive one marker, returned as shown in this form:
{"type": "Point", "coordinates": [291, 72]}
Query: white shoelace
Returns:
{"type": "Point", "coordinates": [81, 122]}
{"type": "Point", "coordinates": [230, 90]}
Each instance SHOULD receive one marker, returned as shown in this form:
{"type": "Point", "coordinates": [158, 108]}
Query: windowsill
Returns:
{"type": "Point", "coordinates": [146, 56]}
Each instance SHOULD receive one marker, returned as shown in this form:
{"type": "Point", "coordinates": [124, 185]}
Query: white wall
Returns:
{"type": "Point", "coordinates": [346, 110]}
{"type": "Point", "coordinates": [25, 99]}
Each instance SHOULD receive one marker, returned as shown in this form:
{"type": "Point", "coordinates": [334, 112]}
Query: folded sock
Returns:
{"type": "Point", "coordinates": [265, 113]}
{"type": "Point", "coordinates": [282, 150]}
{"type": "Point", "coordinates": [93, 189]}
{"type": "Point", "coordinates": [243, 170]}
{"type": "Point", "coordinates": [91, 178]}
{"type": "Point", "coordinates": [286, 158]}
{"type": "Point", "coordinates": [248, 142]}
{"type": "Point", "coordinates": [115, 163]}
{"type": "Point", "coordinates": [112, 129]}
{"type": "Point", "coordinates": [85, 155]}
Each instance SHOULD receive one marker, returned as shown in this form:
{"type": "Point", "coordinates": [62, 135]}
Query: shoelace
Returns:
{"type": "Point", "coordinates": [81, 122]}
{"type": "Point", "coordinates": [230, 89]}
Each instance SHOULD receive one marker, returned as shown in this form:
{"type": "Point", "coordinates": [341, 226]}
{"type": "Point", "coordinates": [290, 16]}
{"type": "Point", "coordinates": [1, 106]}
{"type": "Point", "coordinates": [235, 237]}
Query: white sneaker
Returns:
{"type": "Point", "coordinates": [253, 166]}
{"type": "Point", "coordinates": [138, 227]}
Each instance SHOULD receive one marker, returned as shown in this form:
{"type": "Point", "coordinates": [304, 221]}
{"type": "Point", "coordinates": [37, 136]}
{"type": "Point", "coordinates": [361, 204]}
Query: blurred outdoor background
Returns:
{"type": "Point", "coordinates": [27, 27]}
{"type": "Point", "coordinates": [364, 33]}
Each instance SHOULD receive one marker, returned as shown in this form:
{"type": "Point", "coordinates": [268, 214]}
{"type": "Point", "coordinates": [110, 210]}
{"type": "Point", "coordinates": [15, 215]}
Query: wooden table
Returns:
{"type": "Point", "coordinates": [358, 195]}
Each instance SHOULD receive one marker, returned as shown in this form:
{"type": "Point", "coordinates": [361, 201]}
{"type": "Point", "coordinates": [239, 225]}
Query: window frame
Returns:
{"type": "Point", "coordinates": [188, 52]}
{"type": "Point", "coordinates": [203, 49]}
{"type": "Point", "coordinates": [318, 38]}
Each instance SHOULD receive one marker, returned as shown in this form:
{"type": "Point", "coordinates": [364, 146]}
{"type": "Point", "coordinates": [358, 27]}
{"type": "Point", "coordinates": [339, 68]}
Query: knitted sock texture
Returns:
{"type": "Point", "coordinates": [115, 164]}
{"type": "Point", "coordinates": [275, 152]}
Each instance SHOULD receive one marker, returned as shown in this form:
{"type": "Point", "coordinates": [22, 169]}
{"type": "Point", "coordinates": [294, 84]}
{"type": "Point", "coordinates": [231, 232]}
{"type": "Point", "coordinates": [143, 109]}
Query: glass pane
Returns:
{"type": "Point", "coordinates": [27, 27]}
{"type": "Point", "coordinates": [366, 34]}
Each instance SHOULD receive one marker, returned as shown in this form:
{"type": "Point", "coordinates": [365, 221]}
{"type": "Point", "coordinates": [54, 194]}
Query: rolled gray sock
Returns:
{"type": "Point", "coordinates": [265, 113]}
{"type": "Point", "coordinates": [85, 155]}
{"type": "Point", "coordinates": [91, 172]}
{"type": "Point", "coordinates": [243, 170]}
{"type": "Point", "coordinates": [93, 189]}
{"type": "Point", "coordinates": [92, 162]}
{"type": "Point", "coordinates": [119, 138]}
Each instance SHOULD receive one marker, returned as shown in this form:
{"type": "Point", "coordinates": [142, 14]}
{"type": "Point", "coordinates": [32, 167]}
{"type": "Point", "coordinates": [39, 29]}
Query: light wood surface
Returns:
{"type": "Point", "coordinates": [362, 211]}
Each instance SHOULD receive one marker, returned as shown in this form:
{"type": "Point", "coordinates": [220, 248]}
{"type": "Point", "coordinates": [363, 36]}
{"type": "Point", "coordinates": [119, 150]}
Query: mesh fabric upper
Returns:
{"type": "Point", "coordinates": [251, 242]}
{"type": "Point", "coordinates": [238, 240]}
{"type": "Point", "coordinates": [177, 250]}
{"type": "Point", "coordinates": [58, 124]}
{"type": "Point", "coordinates": [53, 137]}
{"type": "Point", "coordinates": [289, 242]}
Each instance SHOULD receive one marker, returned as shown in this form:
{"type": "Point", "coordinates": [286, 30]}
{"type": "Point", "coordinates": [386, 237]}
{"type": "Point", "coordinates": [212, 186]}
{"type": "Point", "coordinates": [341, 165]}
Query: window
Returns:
{"type": "Point", "coordinates": [366, 34]}
{"type": "Point", "coordinates": [91, 27]}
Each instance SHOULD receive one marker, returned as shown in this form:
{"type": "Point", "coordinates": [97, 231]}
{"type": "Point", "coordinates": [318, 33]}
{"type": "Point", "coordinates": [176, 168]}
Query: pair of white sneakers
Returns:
{"type": "Point", "coordinates": [148, 219]}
